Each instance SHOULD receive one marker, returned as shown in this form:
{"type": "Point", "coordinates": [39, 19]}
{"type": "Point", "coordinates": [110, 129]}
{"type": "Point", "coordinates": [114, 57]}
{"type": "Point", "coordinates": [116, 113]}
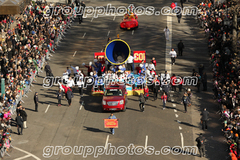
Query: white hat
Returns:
{"type": "Point", "coordinates": [83, 64]}
{"type": "Point", "coordinates": [141, 65]}
{"type": "Point", "coordinates": [95, 60]}
{"type": "Point", "coordinates": [91, 73]}
{"type": "Point", "coordinates": [90, 63]}
{"type": "Point", "coordinates": [77, 68]}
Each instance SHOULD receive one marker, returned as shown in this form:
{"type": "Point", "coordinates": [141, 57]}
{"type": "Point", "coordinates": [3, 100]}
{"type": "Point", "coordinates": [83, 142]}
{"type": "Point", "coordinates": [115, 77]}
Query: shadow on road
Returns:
{"type": "Point", "coordinates": [94, 129]}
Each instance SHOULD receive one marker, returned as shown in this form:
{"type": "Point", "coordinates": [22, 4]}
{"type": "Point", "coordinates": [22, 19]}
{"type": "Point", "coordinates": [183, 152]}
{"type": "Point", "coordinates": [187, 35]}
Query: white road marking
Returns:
{"type": "Point", "coordinates": [80, 107]}
{"type": "Point", "coordinates": [108, 33]}
{"type": "Point", "coordinates": [132, 32]}
{"type": "Point", "coordinates": [168, 65]}
{"type": "Point", "coordinates": [106, 142]}
{"type": "Point", "coordinates": [47, 108]}
{"type": "Point", "coordinates": [175, 110]}
{"type": "Point", "coordinates": [174, 105]}
{"type": "Point", "coordinates": [26, 153]}
{"type": "Point", "coordinates": [84, 35]}
{"type": "Point", "coordinates": [92, 19]}
{"type": "Point", "coordinates": [23, 157]}
{"type": "Point", "coordinates": [114, 18]}
{"type": "Point", "coordinates": [146, 140]}
{"type": "Point", "coordinates": [172, 100]}
{"type": "Point", "coordinates": [176, 115]}
{"type": "Point", "coordinates": [180, 128]}
{"type": "Point", "coordinates": [74, 53]}
{"type": "Point", "coordinates": [182, 141]}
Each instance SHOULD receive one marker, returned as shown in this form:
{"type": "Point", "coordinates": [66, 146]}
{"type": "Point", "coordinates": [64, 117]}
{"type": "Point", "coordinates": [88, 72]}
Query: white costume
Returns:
{"type": "Point", "coordinates": [167, 32]}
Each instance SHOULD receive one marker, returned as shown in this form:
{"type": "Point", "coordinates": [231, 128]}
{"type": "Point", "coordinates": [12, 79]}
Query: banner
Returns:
{"type": "Point", "coordinates": [100, 56]}
{"type": "Point", "coordinates": [139, 56]}
{"type": "Point", "coordinates": [110, 123]}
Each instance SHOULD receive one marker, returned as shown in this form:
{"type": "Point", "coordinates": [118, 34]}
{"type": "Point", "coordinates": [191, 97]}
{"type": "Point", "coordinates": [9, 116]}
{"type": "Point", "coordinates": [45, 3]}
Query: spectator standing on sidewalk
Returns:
{"type": "Point", "coordinates": [200, 144]}
{"type": "Point", "coordinates": [24, 117]}
{"type": "Point", "coordinates": [59, 96]}
{"type": "Point", "coordinates": [204, 119]}
{"type": "Point", "coordinates": [36, 101]}
{"type": "Point", "coordinates": [185, 101]}
{"type": "Point", "coordinates": [180, 48]}
{"type": "Point", "coordinates": [164, 99]}
{"type": "Point", "coordinates": [19, 122]}
{"type": "Point", "coordinates": [173, 55]}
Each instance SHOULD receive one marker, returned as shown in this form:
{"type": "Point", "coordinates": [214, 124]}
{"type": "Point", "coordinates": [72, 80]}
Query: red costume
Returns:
{"type": "Point", "coordinates": [146, 92]}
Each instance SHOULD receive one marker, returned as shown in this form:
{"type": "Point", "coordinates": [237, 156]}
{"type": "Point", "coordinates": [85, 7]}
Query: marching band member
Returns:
{"type": "Point", "coordinates": [89, 67]}
{"type": "Point", "coordinates": [151, 66]}
{"type": "Point", "coordinates": [80, 84]}
{"type": "Point", "coordinates": [152, 72]}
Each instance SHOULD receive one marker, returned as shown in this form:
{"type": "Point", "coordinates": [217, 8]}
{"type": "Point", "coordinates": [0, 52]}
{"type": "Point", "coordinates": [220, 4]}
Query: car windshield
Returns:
{"type": "Point", "coordinates": [113, 92]}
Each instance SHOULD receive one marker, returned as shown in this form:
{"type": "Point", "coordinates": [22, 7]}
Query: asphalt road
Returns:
{"type": "Point", "coordinates": [75, 126]}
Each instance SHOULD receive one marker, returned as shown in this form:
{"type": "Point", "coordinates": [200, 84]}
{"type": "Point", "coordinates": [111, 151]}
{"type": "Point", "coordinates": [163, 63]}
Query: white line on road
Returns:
{"type": "Point", "coordinates": [174, 105]}
{"type": "Point", "coordinates": [108, 33]}
{"type": "Point", "coordinates": [176, 115]}
{"type": "Point", "coordinates": [132, 32]}
{"type": "Point", "coordinates": [168, 66]}
{"type": "Point", "coordinates": [114, 18]}
{"type": "Point", "coordinates": [106, 142]}
{"type": "Point", "coordinates": [47, 108]}
{"type": "Point", "coordinates": [172, 100]}
{"type": "Point", "coordinates": [23, 157]}
{"type": "Point", "coordinates": [84, 35]}
{"type": "Point", "coordinates": [92, 19]}
{"type": "Point", "coordinates": [74, 53]}
{"type": "Point", "coordinates": [182, 139]}
{"type": "Point", "coordinates": [180, 128]}
{"type": "Point", "coordinates": [80, 107]}
{"type": "Point", "coordinates": [146, 140]}
{"type": "Point", "coordinates": [26, 153]}
{"type": "Point", "coordinates": [175, 110]}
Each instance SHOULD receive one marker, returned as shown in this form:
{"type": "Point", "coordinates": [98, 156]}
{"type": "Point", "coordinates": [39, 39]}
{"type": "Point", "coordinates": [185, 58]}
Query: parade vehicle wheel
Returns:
{"type": "Point", "coordinates": [124, 109]}
{"type": "Point", "coordinates": [103, 111]}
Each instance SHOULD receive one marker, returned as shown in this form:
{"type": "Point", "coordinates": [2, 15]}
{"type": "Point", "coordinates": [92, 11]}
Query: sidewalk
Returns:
{"type": "Point", "coordinates": [194, 54]}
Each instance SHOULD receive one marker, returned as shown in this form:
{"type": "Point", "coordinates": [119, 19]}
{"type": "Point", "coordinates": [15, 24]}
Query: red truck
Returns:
{"type": "Point", "coordinates": [114, 98]}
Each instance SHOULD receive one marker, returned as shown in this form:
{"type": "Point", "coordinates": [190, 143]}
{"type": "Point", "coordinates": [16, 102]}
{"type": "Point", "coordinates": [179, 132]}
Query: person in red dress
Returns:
{"type": "Point", "coordinates": [146, 93]}
{"type": "Point", "coordinates": [154, 61]}
{"type": "Point", "coordinates": [164, 99]}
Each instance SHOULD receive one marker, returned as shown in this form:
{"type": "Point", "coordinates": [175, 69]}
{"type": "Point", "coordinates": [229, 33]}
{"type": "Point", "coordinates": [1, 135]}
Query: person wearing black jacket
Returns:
{"type": "Point", "coordinates": [19, 122]}
{"type": "Point", "coordinates": [156, 88]}
{"type": "Point", "coordinates": [48, 70]}
{"type": "Point", "coordinates": [200, 144]}
{"type": "Point", "coordinates": [59, 97]}
{"type": "Point", "coordinates": [204, 119]}
{"type": "Point", "coordinates": [141, 102]}
{"type": "Point", "coordinates": [185, 101]}
{"type": "Point", "coordinates": [24, 117]}
{"type": "Point", "coordinates": [18, 109]}
{"type": "Point", "coordinates": [36, 101]}
{"type": "Point", "coordinates": [180, 46]}
{"type": "Point", "coordinates": [69, 97]}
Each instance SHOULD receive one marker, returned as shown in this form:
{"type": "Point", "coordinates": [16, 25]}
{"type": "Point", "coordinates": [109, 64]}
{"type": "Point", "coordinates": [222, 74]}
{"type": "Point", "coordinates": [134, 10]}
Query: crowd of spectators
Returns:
{"type": "Point", "coordinates": [25, 43]}
{"type": "Point", "coordinates": [226, 69]}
